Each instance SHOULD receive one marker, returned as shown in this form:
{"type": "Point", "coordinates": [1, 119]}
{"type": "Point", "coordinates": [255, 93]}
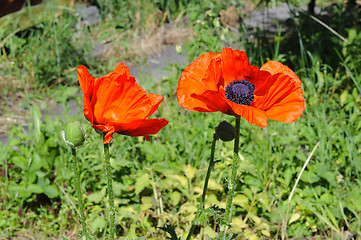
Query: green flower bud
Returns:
{"type": "Point", "coordinates": [225, 131]}
{"type": "Point", "coordinates": [74, 135]}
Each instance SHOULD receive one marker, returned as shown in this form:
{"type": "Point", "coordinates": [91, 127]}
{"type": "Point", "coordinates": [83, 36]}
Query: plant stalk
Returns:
{"type": "Point", "coordinates": [110, 190]}
{"type": "Point", "coordinates": [78, 191]}
{"type": "Point", "coordinates": [232, 183]}
{"type": "Point", "coordinates": [210, 167]}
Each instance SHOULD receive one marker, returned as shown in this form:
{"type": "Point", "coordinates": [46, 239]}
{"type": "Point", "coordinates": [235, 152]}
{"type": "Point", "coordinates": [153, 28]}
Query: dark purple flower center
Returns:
{"type": "Point", "coordinates": [240, 92]}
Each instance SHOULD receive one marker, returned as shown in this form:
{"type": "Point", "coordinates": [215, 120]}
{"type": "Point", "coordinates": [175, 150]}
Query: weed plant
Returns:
{"type": "Point", "coordinates": [159, 183]}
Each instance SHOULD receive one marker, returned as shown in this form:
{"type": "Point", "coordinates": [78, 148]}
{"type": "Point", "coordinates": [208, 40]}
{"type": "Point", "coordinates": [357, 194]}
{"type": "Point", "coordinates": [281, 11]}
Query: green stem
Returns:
{"type": "Point", "coordinates": [78, 191]}
{"type": "Point", "coordinates": [210, 167]}
{"type": "Point", "coordinates": [232, 182]}
{"type": "Point", "coordinates": [110, 189]}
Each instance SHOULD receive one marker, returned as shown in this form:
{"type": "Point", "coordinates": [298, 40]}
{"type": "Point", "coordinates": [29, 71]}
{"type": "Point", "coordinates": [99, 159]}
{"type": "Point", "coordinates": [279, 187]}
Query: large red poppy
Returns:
{"type": "Point", "coordinates": [227, 82]}
{"type": "Point", "coordinates": [116, 103]}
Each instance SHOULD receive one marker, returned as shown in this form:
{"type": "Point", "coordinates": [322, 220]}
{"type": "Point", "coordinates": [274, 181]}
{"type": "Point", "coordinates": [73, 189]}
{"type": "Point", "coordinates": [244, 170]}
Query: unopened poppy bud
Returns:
{"type": "Point", "coordinates": [225, 131]}
{"type": "Point", "coordinates": [74, 135]}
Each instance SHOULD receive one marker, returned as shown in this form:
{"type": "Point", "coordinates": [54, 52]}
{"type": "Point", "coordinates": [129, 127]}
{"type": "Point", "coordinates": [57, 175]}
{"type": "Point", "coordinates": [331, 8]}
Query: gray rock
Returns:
{"type": "Point", "coordinates": [89, 15]}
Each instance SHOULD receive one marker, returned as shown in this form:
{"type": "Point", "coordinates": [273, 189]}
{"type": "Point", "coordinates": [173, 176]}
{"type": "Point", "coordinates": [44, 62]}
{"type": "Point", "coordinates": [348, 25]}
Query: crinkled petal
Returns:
{"type": "Point", "coordinates": [281, 98]}
{"type": "Point", "coordinates": [86, 82]}
{"type": "Point", "coordinates": [213, 102]}
{"type": "Point", "coordinates": [275, 67]}
{"type": "Point", "coordinates": [251, 114]}
{"type": "Point", "coordinates": [109, 130]}
{"type": "Point", "coordinates": [141, 127]}
{"type": "Point", "coordinates": [119, 98]}
{"type": "Point", "coordinates": [155, 100]}
{"type": "Point", "coordinates": [198, 77]}
{"type": "Point", "coordinates": [122, 69]}
{"type": "Point", "coordinates": [235, 65]}
{"type": "Point", "coordinates": [218, 102]}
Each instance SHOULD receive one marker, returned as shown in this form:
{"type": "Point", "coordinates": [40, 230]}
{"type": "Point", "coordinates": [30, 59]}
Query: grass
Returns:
{"type": "Point", "coordinates": [159, 183]}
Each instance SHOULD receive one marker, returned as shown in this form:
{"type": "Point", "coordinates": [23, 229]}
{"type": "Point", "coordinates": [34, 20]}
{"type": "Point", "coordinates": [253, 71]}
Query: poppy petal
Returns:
{"type": "Point", "coordinates": [122, 69]}
{"type": "Point", "coordinates": [86, 82]}
{"type": "Point", "coordinates": [275, 67]}
{"type": "Point", "coordinates": [196, 79]}
{"type": "Point", "coordinates": [235, 65]}
{"type": "Point", "coordinates": [213, 101]}
{"type": "Point", "coordinates": [218, 102]}
{"type": "Point", "coordinates": [141, 127]}
{"type": "Point", "coordinates": [118, 98]}
{"type": "Point", "coordinates": [281, 98]}
{"type": "Point", "coordinates": [251, 114]}
{"type": "Point", "coordinates": [155, 100]}
{"type": "Point", "coordinates": [109, 132]}
{"type": "Point", "coordinates": [115, 102]}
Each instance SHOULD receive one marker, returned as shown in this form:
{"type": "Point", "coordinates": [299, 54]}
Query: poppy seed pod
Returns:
{"type": "Point", "coordinates": [74, 135]}
{"type": "Point", "coordinates": [225, 131]}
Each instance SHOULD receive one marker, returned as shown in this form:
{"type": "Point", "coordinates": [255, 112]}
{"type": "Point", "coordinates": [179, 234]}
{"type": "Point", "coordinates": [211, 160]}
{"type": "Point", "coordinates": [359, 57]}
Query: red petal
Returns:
{"type": "Point", "coordinates": [118, 99]}
{"type": "Point", "coordinates": [213, 101]}
{"type": "Point", "coordinates": [235, 65]}
{"type": "Point", "coordinates": [155, 100]}
{"type": "Point", "coordinates": [141, 127]}
{"type": "Point", "coordinates": [198, 77]}
{"type": "Point", "coordinates": [218, 102]}
{"type": "Point", "coordinates": [251, 114]}
{"type": "Point", "coordinates": [281, 98]}
{"type": "Point", "coordinates": [109, 132]}
{"type": "Point", "coordinates": [122, 69]}
{"type": "Point", "coordinates": [86, 82]}
{"type": "Point", "coordinates": [275, 67]}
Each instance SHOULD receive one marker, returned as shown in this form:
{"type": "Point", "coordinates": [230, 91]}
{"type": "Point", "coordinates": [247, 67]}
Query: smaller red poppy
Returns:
{"type": "Point", "coordinates": [227, 82]}
{"type": "Point", "coordinates": [116, 103]}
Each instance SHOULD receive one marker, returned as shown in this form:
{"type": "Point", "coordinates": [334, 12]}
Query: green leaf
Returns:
{"type": "Point", "coordinates": [141, 183]}
{"type": "Point", "coordinates": [98, 223]}
{"type": "Point", "coordinates": [118, 187]}
{"type": "Point", "coordinates": [189, 171]}
{"type": "Point", "coordinates": [253, 181]}
{"type": "Point", "coordinates": [25, 193]}
{"type": "Point", "coordinates": [40, 174]}
{"type": "Point", "coordinates": [35, 188]}
{"type": "Point", "coordinates": [171, 231]}
{"type": "Point", "coordinates": [30, 177]}
{"type": "Point", "coordinates": [309, 177]}
{"type": "Point", "coordinates": [36, 163]}
{"type": "Point", "coordinates": [175, 198]}
{"type": "Point", "coordinates": [240, 200]}
{"type": "Point", "coordinates": [294, 217]}
{"type": "Point", "coordinates": [51, 142]}
{"type": "Point", "coordinates": [210, 232]}
{"type": "Point", "coordinates": [146, 203]}
{"type": "Point", "coordinates": [343, 97]}
{"type": "Point", "coordinates": [51, 191]}
{"type": "Point", "coordinates": [20, 161]}
{"type": "Point", "coordinates": [288, 174]}
{"type": "Point", "coordinates": [36, 114]}
{"type": "Point", "coordinates": [96, 197]}
{"type": "Point", "coordinates": [70, 92]}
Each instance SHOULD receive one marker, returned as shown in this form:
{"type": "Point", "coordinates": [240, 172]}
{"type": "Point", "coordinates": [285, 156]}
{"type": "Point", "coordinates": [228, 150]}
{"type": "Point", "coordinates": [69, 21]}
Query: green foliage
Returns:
{"type": "Point", "coordinates": [158, 184]}
{"type": "Point", "coordinates": [170, 229]}
{"type": "Point", "coordinates": [46, 62]}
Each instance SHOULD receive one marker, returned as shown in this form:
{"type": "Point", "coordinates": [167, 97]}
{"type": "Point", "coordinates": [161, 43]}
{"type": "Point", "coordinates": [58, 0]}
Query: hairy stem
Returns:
{"type": "Point", "coordinates": [210, 167]}
{"type": "Point", "coordinates": [232, 181]}
{"type": "Point", "coordinates": [78, 191]}
{"type": "Point", "coordinates": [110, 190]}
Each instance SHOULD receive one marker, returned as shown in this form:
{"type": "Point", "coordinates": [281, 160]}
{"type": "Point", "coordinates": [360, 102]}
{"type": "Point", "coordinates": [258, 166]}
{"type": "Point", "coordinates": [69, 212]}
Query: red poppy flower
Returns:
{"type": "Point", "coordinates": [227, 82]}
{"type": "Point", "coordinates": [116, 103]}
